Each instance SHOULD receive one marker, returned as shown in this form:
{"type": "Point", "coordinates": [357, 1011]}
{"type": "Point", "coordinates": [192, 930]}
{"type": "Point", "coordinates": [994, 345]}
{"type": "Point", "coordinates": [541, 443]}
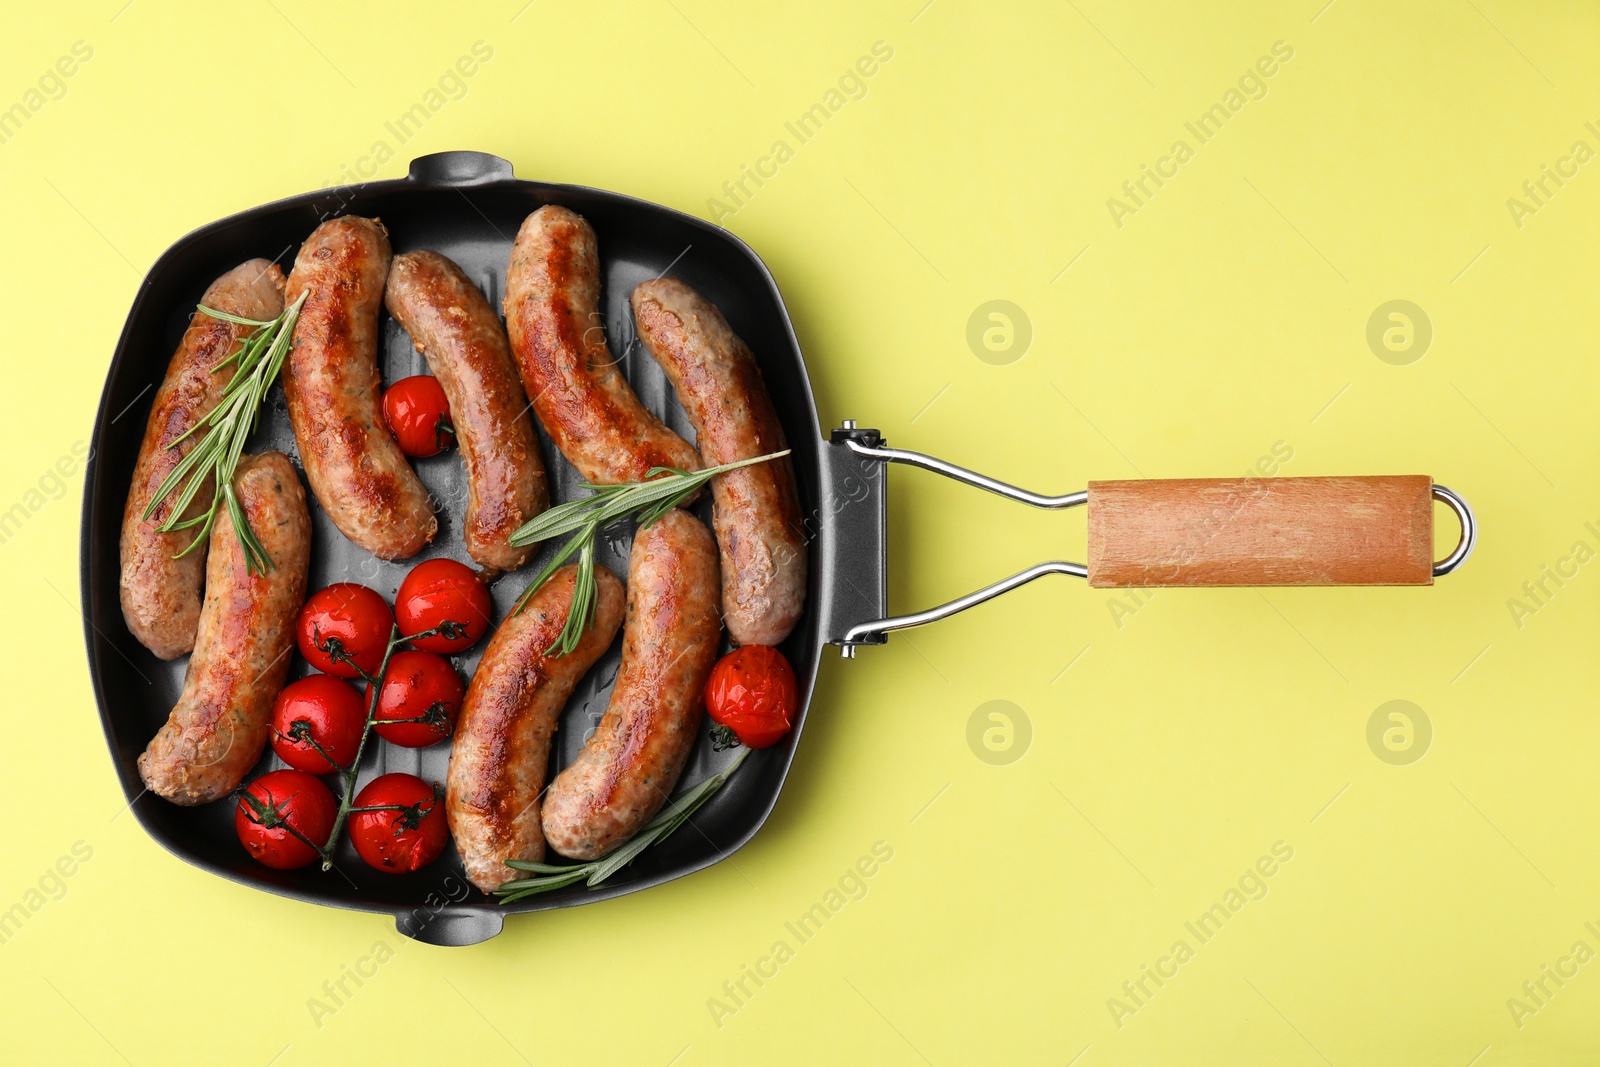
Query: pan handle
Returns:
{"type": "Point", "coordinates": [451, 927]}
{"type": "Point", "coordinates": [1211, 532]}
{"type": "Point", "coordinates": [459, 168]}
{"type": "Point", "coordinates": [1261, 532]}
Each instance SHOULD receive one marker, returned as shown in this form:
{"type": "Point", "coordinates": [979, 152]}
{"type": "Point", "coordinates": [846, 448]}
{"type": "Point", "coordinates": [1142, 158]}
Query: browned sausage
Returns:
{"type": "Point", "coordinates": [757, 509]}
{"type": "Point", "coordinates": [628, 767]}
{"type": "Point", "coordinates": [355, 468]}
{"type": "Point", "coordinates": [552, 315]}
{"type": "Point", "coordinates": [160, 594]}
{"type": "Point", "coordinates": [459, 335]}
{"type": "Point", "coordinates": [220, 724]}
{"type": "Point", "coordinates": [513, 706]}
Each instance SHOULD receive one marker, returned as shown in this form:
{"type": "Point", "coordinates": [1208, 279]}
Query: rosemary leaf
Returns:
{"type": "Point", "coordinates": [226, 317]}
{"type": "Point", "coordinates": [537, 868]}
{"type": "Point", "coordinates": [664, 489]}
{"type": "Point", "coordinates": [511, 892]}
{"type": "Point", "coordinates": [556, 562]}
{"type": "Point", "coordinates": [222, 435]}
{"type": "Point", "coordinates": [584, 598]}
{"type": "Point", "coordinates": [667, 820]}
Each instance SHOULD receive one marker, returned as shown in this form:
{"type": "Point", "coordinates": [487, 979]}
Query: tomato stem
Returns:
{"type": "Point", "coordinates": [270, 817]}
{"type": "Point", "coordinates": [374, 689]}
{"type": "Point", "coordinates": [300, 731]}
{"type": "Point", "coordinates": [334, 649]}
{"type": "Point", "coordinates": [437, 716]}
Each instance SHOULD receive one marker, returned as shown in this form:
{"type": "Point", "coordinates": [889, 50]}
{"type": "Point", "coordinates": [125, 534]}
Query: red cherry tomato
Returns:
{"type": "Point", "coordinates": [398, 841]}
{"type": "Point", "coordinates": [321, 709]}
{"type": "Point", "coordinates": [422, 686]}
{"type": "Point", "coordinates": [442, 592]}
{"type": "Point", "coordinates": [419, 416]}
{"type": "Point", "coordinates": [280, 814]}
{"type": "Point", "coordinates": [752, 691]}
{"type": "Point", "coordinates": [344, 619]}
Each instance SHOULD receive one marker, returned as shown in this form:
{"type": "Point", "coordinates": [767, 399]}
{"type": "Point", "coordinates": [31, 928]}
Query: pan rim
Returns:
{"type": "Point", "coordinates": [92, 518]}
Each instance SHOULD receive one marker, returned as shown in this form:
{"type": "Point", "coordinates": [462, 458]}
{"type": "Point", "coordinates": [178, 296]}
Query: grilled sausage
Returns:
{"type": "Point", "coordinates": [513, 706]}
{"type": "Point", "coordinates": [457, 332]}
{"type": "Point", "coordinates": [355, 468]}
{"type": "Point", "coordinates": [160, 594]}
{"type": "Point", "coordinates": [628, 767]}
{"type": "Point", "coordinates": [219, 726]}
{"type": "Point", "coordinates": [552, 315]}
{"type": "Point", "coordinates": [757, 509]}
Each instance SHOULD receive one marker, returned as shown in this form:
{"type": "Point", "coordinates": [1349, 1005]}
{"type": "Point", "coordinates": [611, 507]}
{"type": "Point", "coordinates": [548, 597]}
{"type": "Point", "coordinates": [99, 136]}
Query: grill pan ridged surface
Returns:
{"type": "Point", "coordinates": [467, 207]}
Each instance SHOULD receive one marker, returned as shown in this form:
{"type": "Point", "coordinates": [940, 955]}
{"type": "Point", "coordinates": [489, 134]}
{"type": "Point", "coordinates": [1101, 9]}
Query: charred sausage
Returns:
{"type": "Point", "coordinates": [352, 462]}
{"type": "Point", "coordinates": [457, 332]}
{"type": "Point", "coordinates": [161, 594]}
{"type": "Point", "coordinates": [757, 509]}
{"type": "Point", "coordinates": [628, 767]}
{"type": "Point", "coordinates": [585, 404]}
{"type": "Point", "coordinates": [513, 705]}
{"type": "Point", "coordinates": [219, 726]}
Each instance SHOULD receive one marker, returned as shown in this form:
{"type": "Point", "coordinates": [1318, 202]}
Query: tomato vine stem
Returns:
{"type": "Point", "coordinates": [348, 774]}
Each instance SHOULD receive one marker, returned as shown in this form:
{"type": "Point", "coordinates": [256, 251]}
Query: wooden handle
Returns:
{"type": "Point", "coordinates": [1262, 531]}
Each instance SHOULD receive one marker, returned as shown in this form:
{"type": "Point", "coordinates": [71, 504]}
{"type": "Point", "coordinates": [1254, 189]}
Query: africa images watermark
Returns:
{"type": "Point", "coordinates": [1252, 885]}
{"type": "Point", "coordinates": [1539, 991]}
{"type": "Point", "coordinates": [51, 885]}
{"type": "Point", "coordinates": [50, 486]}
{"type": "Point", "coordinates": [51, 85]}
{"type": "Point", "coordinates": [450, 85]}
{"type": "Point", "coordinates": [1539, 591]}
{"type": "Point", "coordinates": [852, 885]}
{"type": "Point", "coordinates": [338, 991]}
{"type": "Point", "coordinates": [1538, 191]}
{"type": "Point", "coordinates": [1128, 602]}
{"type": "Point", "coordinates": [752, 177]}
{"type": "Point", "coordinates": [999, 732]}
{"type": "Point", "coordinates": [1138, 191]}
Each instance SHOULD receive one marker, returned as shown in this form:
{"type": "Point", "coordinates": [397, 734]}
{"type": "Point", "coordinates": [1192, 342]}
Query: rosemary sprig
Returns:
{"type": "Point", "coordinates": [225, 428]}
{"type": "Point", "coordinates": [664, 489]}
{"type": "Point", "coordinates": [549, 876]}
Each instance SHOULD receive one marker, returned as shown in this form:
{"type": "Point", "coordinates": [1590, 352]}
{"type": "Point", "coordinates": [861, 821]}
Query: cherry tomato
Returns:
{"type": "Point", "coordinates": [752, 691]}
{"type": "Point", "coordinates": [419, 416]}
{"type": "Point", "coordinates": [321, 709]}
{"type": "Point", "coordinates": [442, 592]}
{"type": "Point", "coordinates": [419, 685]}
{"type": "Point", "coordinates": [344, 620]}
{"type": "Point", "coordinates": [280, 814]}
{"type": "Point", "coordinates": [399, 841]}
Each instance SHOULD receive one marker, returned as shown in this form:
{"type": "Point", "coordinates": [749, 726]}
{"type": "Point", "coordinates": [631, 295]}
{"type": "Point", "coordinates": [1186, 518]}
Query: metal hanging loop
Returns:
{"type": "Point", "coordinates": [1469, 530]}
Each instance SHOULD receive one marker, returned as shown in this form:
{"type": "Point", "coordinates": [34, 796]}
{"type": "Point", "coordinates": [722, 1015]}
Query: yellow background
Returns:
{"type": "Point", "coordinates": [1227, 315]}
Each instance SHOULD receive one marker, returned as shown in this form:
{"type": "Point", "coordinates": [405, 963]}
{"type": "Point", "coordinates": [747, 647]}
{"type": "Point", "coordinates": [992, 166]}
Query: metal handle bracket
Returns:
{"type": "Point", "coordinates": [853, 628]}
{"type": "Point", "coordinates": [869, 446]}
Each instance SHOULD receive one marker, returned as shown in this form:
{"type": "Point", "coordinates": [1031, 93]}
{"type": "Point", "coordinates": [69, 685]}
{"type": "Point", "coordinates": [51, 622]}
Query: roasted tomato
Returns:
{"type": "Point", "coordinates": [420, 700]}
{"type": "Point", "coordinates": [408, 829]}
{"type": "Point", "coordinates": [445, 595]}
{"type": "Point", "coordinates": [284, 817]}
{"type": "Point", "coordinates": [314, 712]}
{"type": "Point", "coordinates": [752, 691]}
{"type": "Point", "coordinates": [342, 627]}
{"type": "Point", "coordinates": [419, 416]}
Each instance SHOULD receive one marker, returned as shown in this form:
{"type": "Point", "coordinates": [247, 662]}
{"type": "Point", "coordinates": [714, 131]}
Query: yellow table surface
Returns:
{"type": "Point", "coordinates": [1177, 744]}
